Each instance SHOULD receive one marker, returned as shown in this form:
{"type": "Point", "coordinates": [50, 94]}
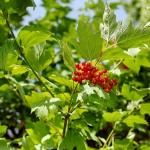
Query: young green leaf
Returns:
{"type": "Point", "coordinates": [67, 56]}
{"type": "Point", "coordinates": [114, 116]}
{"type": "Point", "coordinates": [3, 129]}
{"type": "Point", "coordinates": [89, 44]}
{"type": "Point", "coordinates": [110, 26]}
{"type": "Point", "coordinates": [134, 119]}
{"type": "Point", "coordinates": [63, 81]}
{"type": "Point", "coordinates": [145, 108]}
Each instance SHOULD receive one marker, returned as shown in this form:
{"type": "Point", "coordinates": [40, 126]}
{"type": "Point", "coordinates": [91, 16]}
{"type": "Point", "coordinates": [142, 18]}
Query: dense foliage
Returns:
{"type": "Point", "coordinates": [71, 84]}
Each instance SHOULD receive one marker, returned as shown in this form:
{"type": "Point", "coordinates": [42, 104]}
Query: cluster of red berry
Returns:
{"type": "Point", "coordinates": [85, 71]}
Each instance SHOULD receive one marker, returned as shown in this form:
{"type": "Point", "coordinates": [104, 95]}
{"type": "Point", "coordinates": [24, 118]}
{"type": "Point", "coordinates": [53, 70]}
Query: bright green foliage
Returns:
{"type": "Point", "coordinates": [30, 36]}
{"type": "Point", "coordinates": [113, 117]}
{"type": "Point", "coordinates": [34, 131]}
{"type": "Point", "coordinates": [89, 44]}
{"type": "Point", "coordinates": [2, 130]}
{"type": "Point", "coordinates": [124, 144]}
{"type": "Point", "coordinates": [3, 144]}
{"type": "Point", "coordinates": [18, 69]}
{"type": "Point", "coordinates": [73, 139]}
{"type": "Point", "coordinates": [63, 81]}
{"type": "Point", "coordinates": [7, 50]}
{"type": "Point", "coordinates": [134, 119]}
{"type": "Point", "coordinates": [131, 93]}
{"type": "Point", "coordinates": [145, 108]}
{"type": "Point", "coordinates": [67, 56]}
{"type": "Point", "coordinates": [39, 57]}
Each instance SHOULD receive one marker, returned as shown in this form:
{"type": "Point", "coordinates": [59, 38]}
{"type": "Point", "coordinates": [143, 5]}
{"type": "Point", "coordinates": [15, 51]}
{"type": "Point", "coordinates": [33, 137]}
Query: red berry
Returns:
{"type": "Point", "coordinates": [107, 90]}
{"type": "Point", "coordinates": [104, 70]}
{"type": "Point", "coordinates": [114, 82]}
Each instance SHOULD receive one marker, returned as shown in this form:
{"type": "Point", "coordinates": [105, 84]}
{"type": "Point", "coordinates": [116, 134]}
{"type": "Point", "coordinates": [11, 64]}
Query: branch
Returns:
{"type": "Point", "coordinates": [22, 54]}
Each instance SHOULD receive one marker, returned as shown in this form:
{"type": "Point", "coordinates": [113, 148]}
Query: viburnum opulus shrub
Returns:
{"type": "Point", "coordinates": [98, 104]}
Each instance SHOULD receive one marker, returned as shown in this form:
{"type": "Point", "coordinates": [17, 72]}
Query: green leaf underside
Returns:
{"type": "Point", "coordinates": [109, 27]}
{"type": "Point", "coordinates": [131, 93]}
{"type": "Point", "coordinates": [73, 139]}
{"type": "Point", "coordinates": [89, 45]}
{"type": "Point", "coordinates": [67, 57]}
{"type": "Point", "coordinates": [132, 120]}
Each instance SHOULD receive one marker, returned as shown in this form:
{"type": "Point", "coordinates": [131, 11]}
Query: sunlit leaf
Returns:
{"type": "Point", "coordinates": [89, 44]}
{"type": "Point", "coordinates": [145, 108]}
{"type": "Point", "coordinates": [114, 116]}
{"type": "Point", "coordinates": [134, 119]}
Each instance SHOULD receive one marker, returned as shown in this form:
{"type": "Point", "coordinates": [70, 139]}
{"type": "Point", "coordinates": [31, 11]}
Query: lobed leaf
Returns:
{"type": "Point", "coordinates": [134, 119]}
{"type": "Point", "coordinates": [114, 116]}
{"type": "Point", "coordinates": [89, 44]}
{"type": "Point", "coordinates": [145, 108]}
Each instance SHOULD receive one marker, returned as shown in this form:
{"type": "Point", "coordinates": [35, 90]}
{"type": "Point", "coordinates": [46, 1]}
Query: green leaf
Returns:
{"type": "Point", "coordinates": [127, 34]}
{"type": "Point", "coordinates": [2, 19]}
{"type": "Point", "coordinates": [114, 116]}
{"type": "Point", "coordinates": [37, 131]}
{"type": "Point", "coordinates": [132, 120]}
{"type": "Point", "coordinates": [131, 93]}
{"type": "Point", "coordinates": [67, 56]}
{"type": "Point", "coordinates": [73, 139]}
{"type": "Point", "coordinates": [63, 81]}
{"type": "Point", "coordinates": [89, 45]}
{"type": "Point", "coordinates": [115, 53]}
{"type": "Point", "coordinates": [30, 36]}
{"type": "Point", "coordinates": [27, 143]}
{"type": "Point", "coordinates": [16, 6]}
{"type": "Point", "coordinates": [38, 57]}
{"type": "Point", "coordinates": [37, 98]}
{"type": "Point", "coordinates": [3, 129]}
{"type": "Point", "coordinates": [110, 26]}
{"type": "Point", "coordinates": [18, 69]}
{"type": "Point", "coordinates": [145, 108]}
{"type": "Point", "coordinates": [3, 145]}
{"type": "Point", "coordinates": [124, 144]}
{"type": "Point", "coordinates": [7, 55]}
{"type": "Point", "coordinates": [132, 64]}
{"type": "Point", "coordinates": [145, 147]}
